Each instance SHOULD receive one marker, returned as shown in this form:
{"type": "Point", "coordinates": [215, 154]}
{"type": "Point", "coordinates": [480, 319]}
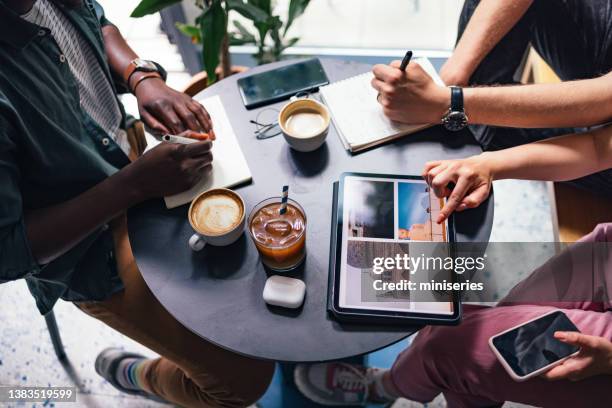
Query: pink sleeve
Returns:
{"type": "Point", "coordinates": [601, 233]}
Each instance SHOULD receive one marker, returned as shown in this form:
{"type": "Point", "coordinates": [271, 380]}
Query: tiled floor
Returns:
{"type": "Point", "coordinates": [26, 355]}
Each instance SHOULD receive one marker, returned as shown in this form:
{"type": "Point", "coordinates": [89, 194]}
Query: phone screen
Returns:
{"type": "Point", "coordinates": [532, 346]}
{"type": "Point", "coordinates": [282, 83]}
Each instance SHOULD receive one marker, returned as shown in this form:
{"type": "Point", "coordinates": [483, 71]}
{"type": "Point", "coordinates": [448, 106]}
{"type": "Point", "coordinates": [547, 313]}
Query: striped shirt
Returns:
{"type": "Point", "coordinates": [96, 94]}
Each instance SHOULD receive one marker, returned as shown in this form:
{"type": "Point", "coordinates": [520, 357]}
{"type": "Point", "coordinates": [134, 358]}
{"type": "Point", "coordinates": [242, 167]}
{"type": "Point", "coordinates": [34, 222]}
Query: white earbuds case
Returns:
{"type": "Point", "coordinates": [284, 292]}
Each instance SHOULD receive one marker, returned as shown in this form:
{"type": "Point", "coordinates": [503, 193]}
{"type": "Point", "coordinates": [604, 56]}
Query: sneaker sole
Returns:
{"type": "Point", "coordinates": [300, 376]}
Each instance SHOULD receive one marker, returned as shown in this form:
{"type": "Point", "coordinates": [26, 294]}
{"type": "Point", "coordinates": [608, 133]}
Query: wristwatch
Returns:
{"type": "Point", "coordinates": [153, 69]}
{"type": "Point", "coordinates": [455, 119]}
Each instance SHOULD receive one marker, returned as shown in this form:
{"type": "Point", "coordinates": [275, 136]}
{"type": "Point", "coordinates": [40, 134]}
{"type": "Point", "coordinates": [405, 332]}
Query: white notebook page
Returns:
{"type": "Point", "coordinates": [358, 116]}
{"type": "Point", "coordinates": [230, 167]}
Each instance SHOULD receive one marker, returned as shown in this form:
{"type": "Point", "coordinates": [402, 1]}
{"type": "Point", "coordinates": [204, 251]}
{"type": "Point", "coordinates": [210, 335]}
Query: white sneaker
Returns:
{"type": "Point", "coordinates": [337, 384]}
{"type": "Point", "coordinates": [106, 366]}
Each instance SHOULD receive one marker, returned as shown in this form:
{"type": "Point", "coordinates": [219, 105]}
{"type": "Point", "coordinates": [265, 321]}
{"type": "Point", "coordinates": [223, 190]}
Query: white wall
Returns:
{"type": "Point", "coordinates": [419, 24]}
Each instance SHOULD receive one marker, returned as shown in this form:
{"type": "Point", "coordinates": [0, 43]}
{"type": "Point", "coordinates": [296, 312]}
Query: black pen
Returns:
{"type": "Point", "coordinates": [406, 61]}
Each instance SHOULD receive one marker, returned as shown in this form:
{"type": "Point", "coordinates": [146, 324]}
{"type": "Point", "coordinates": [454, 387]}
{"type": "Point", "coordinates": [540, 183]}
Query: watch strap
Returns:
{"type": "Point", "coordinates": [456, 99]}
{"type": "Point", "coordinates": [162, 72]}
{"type": "Point", "coordinates": [129, 70]}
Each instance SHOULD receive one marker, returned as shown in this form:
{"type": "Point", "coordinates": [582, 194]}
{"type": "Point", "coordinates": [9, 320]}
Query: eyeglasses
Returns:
{"type": "Point", "coordinates": [267, 124]}
{"type": "Point", "coordinates": [267, 120]}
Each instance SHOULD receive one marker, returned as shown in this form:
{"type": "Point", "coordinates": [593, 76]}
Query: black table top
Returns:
{"type": "Point", "coordinates": [217, 293]}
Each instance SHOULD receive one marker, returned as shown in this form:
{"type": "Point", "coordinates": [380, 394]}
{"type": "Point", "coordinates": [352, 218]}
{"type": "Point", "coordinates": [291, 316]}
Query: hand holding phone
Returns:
{"type": "Point", "coordinates": [531, 348]}
{"type": "Point", "coordinates": [594, 358]}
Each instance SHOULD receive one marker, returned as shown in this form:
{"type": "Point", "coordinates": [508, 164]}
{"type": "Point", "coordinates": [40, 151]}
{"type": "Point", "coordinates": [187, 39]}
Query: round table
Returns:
{"type": "Point", "coordinates": [217, 293]}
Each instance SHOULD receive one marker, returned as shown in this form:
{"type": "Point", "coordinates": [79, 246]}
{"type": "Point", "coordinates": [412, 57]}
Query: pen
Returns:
{"type": "Point", "coordinates": [178, 139]}
{"type": "Point", "coordinates": [406, 61]}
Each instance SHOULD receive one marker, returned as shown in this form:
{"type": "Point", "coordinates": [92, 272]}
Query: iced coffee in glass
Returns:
{"type": "Point", "coordinates": [279, 237]}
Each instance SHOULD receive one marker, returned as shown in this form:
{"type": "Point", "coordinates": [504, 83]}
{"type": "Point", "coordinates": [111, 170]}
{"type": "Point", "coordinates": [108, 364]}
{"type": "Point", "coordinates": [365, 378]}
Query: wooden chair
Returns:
{"type": "Point", "coordinates": [575, 211]}
{"type": "Point", "coordinates": [196, 84]}
{"type": "Point", "coordinates": [199, 81]}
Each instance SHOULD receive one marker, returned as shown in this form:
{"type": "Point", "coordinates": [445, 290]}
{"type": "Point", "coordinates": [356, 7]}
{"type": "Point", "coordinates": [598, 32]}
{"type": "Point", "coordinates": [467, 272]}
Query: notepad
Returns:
{"type": "Point", "coordinates": [229, 168]}
{"type": "Point", "coordinates": [357, 115]}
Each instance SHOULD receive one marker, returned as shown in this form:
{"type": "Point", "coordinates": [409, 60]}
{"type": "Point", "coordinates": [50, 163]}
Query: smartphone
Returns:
{"type": "Point", "coordinates": [530, 349]}
{"type": "Point", "coordinates": [279, 84]}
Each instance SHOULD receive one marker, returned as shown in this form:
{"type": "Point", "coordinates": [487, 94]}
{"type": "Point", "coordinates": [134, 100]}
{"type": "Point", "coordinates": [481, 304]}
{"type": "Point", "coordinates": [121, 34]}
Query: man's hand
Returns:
{"type": "Point", "coordinates": [472, 179]}
{"type": "Point", "coordinates": [594, 358]}
{"type": "Point", "coordinates": [169, 169]}
{"type": "Point", "coordinates": [410, 97]}
{"type": "Point", "coordinates": [165, 110]}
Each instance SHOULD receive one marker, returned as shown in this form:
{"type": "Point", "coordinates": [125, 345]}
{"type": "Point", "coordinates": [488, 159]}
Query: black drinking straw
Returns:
{"type": "Point", "coordinates": [284, 199]}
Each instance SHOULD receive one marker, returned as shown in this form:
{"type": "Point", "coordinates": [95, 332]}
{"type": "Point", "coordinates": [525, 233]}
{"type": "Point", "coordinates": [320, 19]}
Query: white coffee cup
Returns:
{"type": "Point", "coordinates": [218, 218]}
{"type": "Point", "coordinates": [305, 124]}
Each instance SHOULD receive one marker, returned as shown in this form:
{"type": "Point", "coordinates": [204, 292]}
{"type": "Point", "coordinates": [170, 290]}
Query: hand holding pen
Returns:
{"type": "Point", "coordinates": [402, 67]}
{"type": "Point", "coordinates": [412, 98]}
{"type": "Point", "coordinates": [189, 137]}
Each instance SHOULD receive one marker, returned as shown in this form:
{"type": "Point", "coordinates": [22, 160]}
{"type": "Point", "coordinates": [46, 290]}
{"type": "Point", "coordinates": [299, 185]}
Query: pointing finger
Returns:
{"type": "Point", "coordinates": [454, 200]}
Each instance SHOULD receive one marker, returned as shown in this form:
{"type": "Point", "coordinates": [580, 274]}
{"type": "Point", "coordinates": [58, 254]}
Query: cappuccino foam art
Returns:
{"type": "Point", "coordinates": [217, 213]}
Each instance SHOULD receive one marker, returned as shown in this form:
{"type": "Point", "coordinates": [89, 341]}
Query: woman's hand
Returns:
{"type": "Point", "coordinates": [594, 358]}
{"type": "Point", "coordinates": [165, 110]}
{"type": "Point", "coordinates": [466, 182]}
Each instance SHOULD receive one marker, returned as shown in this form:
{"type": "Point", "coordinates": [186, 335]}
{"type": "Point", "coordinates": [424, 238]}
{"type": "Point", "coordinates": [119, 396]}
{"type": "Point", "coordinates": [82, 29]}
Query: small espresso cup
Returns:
{"type": "Point", "coordinates": [217, 217]}
{"type": "Point", "coordinates": [304, 123]}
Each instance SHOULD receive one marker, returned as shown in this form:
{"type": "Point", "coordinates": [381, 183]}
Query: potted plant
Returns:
{"type": "Point", "coordinates": [211, 29]}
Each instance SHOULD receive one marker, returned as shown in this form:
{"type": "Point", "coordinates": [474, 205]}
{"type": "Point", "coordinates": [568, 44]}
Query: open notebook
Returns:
{"type": "Point", "coordinates": [358, 116]}
{"type": "Point", "coordinates": [229, 165]}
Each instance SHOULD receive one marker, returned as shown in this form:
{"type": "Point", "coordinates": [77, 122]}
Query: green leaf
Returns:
{"type": "Point", "coordinates": [244, 33]}
{"type": "Point", "coordinates": [190, 31]}
{"type": "Point", "coordinates": [243, 36]}
{"type": "Point", "coordinates": [147, 7]}
{"type": "Point", "coordinates": [239, 41]}
{"type": "Point", "coordinates": [296, 9]}
{"type": "Point", "coordinates": [262, 29]}
{"type": "Point", "coordinates": [213, 26]}
{"type": "Point", "coordinates": [290, 43]}
{"type": "Point", "coordinates": [247, 10]}
{"type": "Point", "coordinates": [275, 22]}
{"type": "Point", "coordinates": [265, 5]}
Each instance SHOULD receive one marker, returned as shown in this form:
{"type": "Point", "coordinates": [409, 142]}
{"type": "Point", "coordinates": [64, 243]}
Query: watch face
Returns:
{"type": "Point", "coordinates": [455, 121]}
{"type": "Point", "coordinates": [144, 65]}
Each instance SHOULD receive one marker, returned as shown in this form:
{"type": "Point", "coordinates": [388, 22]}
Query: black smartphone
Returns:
{"type": "Point", "coordinates": [279, 84]}
{"type": "Point", "coordinates": [530, 349]}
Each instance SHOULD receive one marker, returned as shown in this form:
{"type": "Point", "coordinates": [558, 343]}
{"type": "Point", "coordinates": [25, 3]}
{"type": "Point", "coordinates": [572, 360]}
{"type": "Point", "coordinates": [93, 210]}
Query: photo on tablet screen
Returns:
{"type": "Point", "coordinates": [383, 218]}
{"type": "Point", "coordinates": [418, 207]}
{"type": "Point", "coordinates": [372, 209]}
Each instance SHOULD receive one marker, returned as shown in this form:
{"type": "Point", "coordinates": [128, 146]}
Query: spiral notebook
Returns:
{"type": "Point", "coordinates": [357, 115]}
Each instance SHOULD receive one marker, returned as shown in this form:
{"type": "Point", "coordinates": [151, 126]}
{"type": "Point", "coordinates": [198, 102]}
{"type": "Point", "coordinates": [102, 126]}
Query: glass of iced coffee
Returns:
{"type": "Point", "coordinates": [279, 237]}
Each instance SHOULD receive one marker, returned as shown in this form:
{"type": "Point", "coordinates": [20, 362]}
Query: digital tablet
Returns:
{"type": "Point", "coordinates": [279, 84]}
{"type": "Point", "coordinates": [390, 261]}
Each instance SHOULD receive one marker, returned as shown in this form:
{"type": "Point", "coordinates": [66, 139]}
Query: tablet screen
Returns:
{"type": "Point", "coordinates": [389, 220]}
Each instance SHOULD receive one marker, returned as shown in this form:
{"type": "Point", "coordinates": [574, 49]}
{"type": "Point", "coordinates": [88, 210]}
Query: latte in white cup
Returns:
{"type": "Point", "coordinates": [305, 124]}
{"type": "Point", "coordinates": [218, 218]}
